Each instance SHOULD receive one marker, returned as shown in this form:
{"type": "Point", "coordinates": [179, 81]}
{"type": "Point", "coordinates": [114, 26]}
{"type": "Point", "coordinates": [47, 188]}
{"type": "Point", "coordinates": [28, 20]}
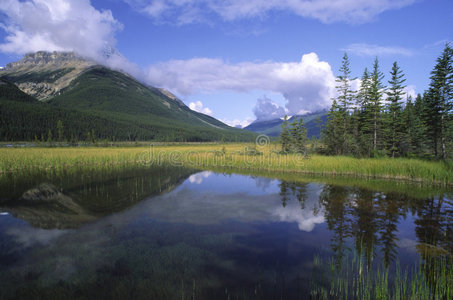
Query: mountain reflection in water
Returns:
{"type": "Point", "coordinates": [171, 233]}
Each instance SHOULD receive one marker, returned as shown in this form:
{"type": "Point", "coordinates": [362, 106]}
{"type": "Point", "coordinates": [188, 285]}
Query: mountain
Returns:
{"type": "Point", "coordinates": [273, 127]}
{"type": "Point", "coordinates": [68, 204]}
{"type": "Point", "coordinates": [87, 97]}
{"type": "Point", "coordinates": [43, 74]}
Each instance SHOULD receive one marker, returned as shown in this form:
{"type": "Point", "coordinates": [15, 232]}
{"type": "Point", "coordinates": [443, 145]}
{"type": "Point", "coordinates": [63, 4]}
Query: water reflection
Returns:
{"type": "Point", "coordinates": [372, 219]}
{"type": "Point", "coordinates": [169, 233]}
{"type": "Point", "coordinates": [78, 198]}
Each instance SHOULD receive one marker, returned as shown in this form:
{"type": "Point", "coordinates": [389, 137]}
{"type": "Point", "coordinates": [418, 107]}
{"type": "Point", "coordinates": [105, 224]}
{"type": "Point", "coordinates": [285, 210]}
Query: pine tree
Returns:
{"type": "Point", "coordinates": [49, 136]}
{"type": "Point", "coordinates": [364, 116]}
{"type": "Point", "coordinates": [376, 93]}
{"type": "Point", "coordinates": [300, 141]}
{"type": "Point", "coordinates": [60, 130]}
{"type": "Point", "coordinates": [345, 100]}
{"type": "Point", "coordinates": [88, 139]}
{"type": "Point", "coordinates": [293, 133]}
{"type": "Point", "coordinates": [440, 101]}
{"type": "Point", "coordinates": [413, 139]}
{"type": "Point", "coordinates": [285, 137]}
{"type": "Point", "coordinates": [394, 124]}
{"type": "Point", "coordinates": [332, 130]}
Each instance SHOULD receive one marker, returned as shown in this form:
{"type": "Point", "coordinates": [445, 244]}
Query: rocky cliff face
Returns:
{"type": "Point", "coordinates": [44, 74]}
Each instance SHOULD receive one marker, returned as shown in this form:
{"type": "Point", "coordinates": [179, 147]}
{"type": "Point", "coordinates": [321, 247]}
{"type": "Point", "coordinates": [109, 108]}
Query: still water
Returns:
{"type": "Point", "coordinates": [171, 233]}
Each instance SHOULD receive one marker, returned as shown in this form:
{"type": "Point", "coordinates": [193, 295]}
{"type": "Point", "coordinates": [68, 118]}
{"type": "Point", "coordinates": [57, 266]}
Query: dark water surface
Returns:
{"type": "Point", "coordinates": [169, 233]}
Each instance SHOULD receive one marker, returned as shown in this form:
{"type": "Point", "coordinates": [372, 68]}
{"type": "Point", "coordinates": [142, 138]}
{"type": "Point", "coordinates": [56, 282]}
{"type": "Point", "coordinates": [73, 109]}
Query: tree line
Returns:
{"type": "Point", "coordinates": [375, 120]}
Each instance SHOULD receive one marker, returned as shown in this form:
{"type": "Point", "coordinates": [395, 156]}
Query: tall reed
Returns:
{"type": "Point", "coordinates": [226, 157]}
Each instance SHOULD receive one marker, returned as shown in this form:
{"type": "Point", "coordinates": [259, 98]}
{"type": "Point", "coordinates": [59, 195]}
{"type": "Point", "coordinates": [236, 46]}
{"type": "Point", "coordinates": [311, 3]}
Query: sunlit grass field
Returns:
{"type": "Point", "coordinates": [220, 157]}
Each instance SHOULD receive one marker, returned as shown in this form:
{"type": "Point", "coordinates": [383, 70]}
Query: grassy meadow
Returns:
{"type": "Point", "coordinates": [219, 157]}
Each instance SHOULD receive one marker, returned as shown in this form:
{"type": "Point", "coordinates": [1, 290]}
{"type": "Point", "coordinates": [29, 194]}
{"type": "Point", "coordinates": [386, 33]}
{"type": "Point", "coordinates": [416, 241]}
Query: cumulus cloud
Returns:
{"type": "Point", "coordinates": [198, 106]}
{"type": "Point", "coordinates": [326, 11]}
{"type": "Point", "coordinates": [410, 91]}
{"type": "Point", "coordinates": [265, 109]}
{"type": "Point", "coordinates": [363, 49]}
{"type": "Point", "coordinates": [306, 219]}
{"type": "Point", "coordinates": [57, 25]}
{"type": "Point", "coordinates": [307, 85]}
{"type": "Point", "coordinates": [62, 25]}
{"type": "Point", "coordinates": [199, 177]}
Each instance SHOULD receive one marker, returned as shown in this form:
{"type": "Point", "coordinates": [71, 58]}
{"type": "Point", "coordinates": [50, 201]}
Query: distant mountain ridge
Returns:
{"type": "Point", "coordinates": [313, 122]}
{"type": "Point", "coordinates": [72, 88]}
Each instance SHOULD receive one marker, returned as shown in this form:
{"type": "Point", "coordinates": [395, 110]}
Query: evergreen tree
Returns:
{"type": "Point", "coordinates": [413, 139]}
{"type": "Point", "coordinates": [49, 136]}
{"type": "Point", "coordinates": [285, 136]}
{"type": "Point", "coordinates": [440, 101]}
{"type": "Point", "coordinates": [394, 124]}
{"type": "Point", "coordinates": [345, 101]}
{"type": "Point", "coordinates": [332, 130]}
{"type": "Point", "coordinates": [293, 133]}
{"type": "Point", "coordinates": [376, 93]}
{"type": "Point", "coordinates": [364, 116]}
{"type": "Point", "coordinates": [60, 130]}
{"type": "Point", "coordinates": [88, 139]}
{"type": "Point", "coordinates": [300, 140]}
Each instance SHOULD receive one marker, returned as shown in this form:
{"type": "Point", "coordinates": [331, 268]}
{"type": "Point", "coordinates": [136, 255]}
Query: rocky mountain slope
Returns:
{"type": "Point", "coordinates": [43, 74]}
{"type": "Point", "coordinates": [113, 105]}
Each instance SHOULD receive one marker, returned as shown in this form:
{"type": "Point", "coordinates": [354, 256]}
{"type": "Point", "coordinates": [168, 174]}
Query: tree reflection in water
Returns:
{"type": "Point", "coordinates": [371, 220]}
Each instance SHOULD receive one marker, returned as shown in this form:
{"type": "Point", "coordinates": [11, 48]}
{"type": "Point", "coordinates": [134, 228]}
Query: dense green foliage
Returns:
{"type": "Point", "coordinates": [373, 121]}
{"type": "Point", "coordinates": [294, 138]}
{"type": "Point", "coordinates": [102, 104]}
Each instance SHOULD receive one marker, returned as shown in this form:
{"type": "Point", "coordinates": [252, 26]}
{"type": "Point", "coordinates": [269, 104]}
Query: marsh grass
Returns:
{"type": "Point", "coordinates": [430, 279]}
{"type": "Point", "coordinates": [227, 157]}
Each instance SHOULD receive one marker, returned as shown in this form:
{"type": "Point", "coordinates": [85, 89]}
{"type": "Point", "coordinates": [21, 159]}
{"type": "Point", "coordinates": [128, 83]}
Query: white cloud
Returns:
{"type": "Point", "coordinates": [307, 85]}
{"type": "Point", "coordinates": [70, 25]}
{"type": "Point", "coordinates": [363, 49]}
{"type": "Point", "coordinates": [305, 218]}
{"type": "Point", "coordinates": [199, 177]}
{"type": "Point", "coordinates": [238, 123]}
{"type": "Point", "coordinates": [326, 11]}
{"type": "Point", "coordinates": [265, 109]}
{"type": "Point", "coordinates": [198, 106]}
{"type": "Point", "coordinates": [410, 91]}
{"type": "Point", "coordinates": [62, 25]}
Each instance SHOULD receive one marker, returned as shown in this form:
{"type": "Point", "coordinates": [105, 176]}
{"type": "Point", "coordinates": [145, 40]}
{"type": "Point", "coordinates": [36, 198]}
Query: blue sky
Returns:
{"type": "Point", "coordinates": [237, 60]}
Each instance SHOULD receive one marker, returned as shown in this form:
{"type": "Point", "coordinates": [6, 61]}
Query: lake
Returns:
{"type": "Point", "coordinates": [174, 233]}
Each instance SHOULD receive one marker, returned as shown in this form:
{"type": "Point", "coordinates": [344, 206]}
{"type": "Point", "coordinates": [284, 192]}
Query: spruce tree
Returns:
{"type": "Point", "coordinates": [365, 116]}
{"type": "Point", "coordinates": [285, 137]}
{"type": "Point", "coordinates": [301, 137]}
{"type": "Point", "coordinates": [376, 93]}
{"type": "Point", "coordinates": [332, 130]}
{"type": "Point", "coordinates": [440, 101]}
{"type": "Point", "coordinates": [345, 101]}
{"type": "Point", "coordinates": [413, 138]}
{"type": "Point", "coordinates": [293, 133]}
{"type": "Point", "coordinates": [60, 130]}
{"type": "Point", "coordinates": [49, 136]}
{"type": "Point", "coordinates": [394, 124]}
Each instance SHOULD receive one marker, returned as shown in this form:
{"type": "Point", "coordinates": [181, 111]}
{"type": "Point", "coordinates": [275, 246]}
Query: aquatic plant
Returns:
{"type": "Point", "coordinates": [355, 279]}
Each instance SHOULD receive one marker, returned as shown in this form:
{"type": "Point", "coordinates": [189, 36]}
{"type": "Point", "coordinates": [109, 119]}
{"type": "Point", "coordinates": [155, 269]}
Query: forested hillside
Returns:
{"type": "Point", "coordinates": [99, 104]}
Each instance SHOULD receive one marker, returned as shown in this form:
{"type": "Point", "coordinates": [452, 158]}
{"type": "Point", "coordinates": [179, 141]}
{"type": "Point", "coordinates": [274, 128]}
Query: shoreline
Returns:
{"type": "Point", "coordinates": [224, 158]}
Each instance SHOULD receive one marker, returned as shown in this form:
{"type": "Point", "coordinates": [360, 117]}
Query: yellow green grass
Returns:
{"type": "Point", "coordinates": [220, 157]}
